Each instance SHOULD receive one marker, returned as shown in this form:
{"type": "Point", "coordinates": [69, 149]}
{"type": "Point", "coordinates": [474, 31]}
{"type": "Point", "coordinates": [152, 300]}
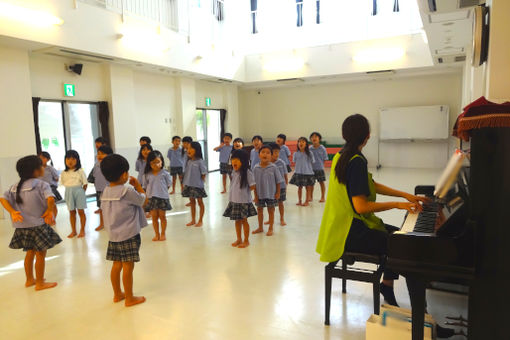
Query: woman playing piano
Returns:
{"type": "Point", "coordinates": [349, 222]}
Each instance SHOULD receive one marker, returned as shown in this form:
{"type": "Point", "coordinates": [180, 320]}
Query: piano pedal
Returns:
{"type": "Point", "coordinates": [458, 318]}
{"type": "Point", "coordinates": [461, 333]}
{"type": "Point", "coordinates": [458, 323]}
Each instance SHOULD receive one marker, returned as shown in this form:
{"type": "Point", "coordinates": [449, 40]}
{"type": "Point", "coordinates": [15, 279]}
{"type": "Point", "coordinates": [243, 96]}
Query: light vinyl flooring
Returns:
{"type": "Point", "coordinates": [197, 286]}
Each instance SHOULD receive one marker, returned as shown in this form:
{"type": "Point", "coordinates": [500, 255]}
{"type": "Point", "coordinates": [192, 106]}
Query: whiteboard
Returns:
{"type": "Point", "coordinates": [415, 122]}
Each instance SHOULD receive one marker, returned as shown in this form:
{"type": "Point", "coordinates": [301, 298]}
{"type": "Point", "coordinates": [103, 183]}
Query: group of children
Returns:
{"type": "Point", "coordinates": [123, 209]}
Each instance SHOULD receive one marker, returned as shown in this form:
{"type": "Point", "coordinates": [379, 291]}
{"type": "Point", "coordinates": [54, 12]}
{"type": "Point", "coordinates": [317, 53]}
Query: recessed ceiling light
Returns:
{"type": "Point", "coordinates": [448, 23]}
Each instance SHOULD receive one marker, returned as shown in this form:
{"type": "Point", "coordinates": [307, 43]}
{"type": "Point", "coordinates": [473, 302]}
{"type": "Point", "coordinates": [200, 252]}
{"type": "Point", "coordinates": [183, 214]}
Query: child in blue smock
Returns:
{"type": "Point", "coordinates": [240, 206]}
{"type": "Point", "coordinates": [303, 171]}
{"type": "Point", "coordinates": [157, 181]}
{"type": "Point", "coordinates": [320, 155]}
{"type": "Point", "coordinates": [268, 181]}
{"type": "Point", "coordinates": [194, 177]}
{"type": "Point", "coordinates": [100, 182]}
{"type": "Point", "coordinates": [50, 174]}
{"type": "Point", "coordinates": [225, 149]}
{"type": "Point", "coordinates": [123, 220]}
{"type": "Point", "coordinates": [282, 167]}
{"type": "Point", "coordinates": [284, 151]}
{"type": "Point", "coordinates": [176, 157]}
{"type": "Point", "coordinates": [31, 204]}
{"type": "Point", "coordinates": [257, 143]}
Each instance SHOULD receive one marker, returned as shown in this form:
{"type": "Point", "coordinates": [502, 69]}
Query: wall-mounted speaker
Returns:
{"type": "Point", "coordinates": [76, 68]}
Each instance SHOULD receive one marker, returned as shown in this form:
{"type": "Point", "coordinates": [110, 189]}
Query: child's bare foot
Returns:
{"type": "Point", "coordinates": [147, 215]}
{"type": "Point", "coordinates": [322, 200]}
{"type": "Point", "coordinates": [190, 224]}
{"type": "Point", "coordinates": [236, 243]}
{"type": "Point", "coordinates": [224, 191]}
{"type": "Point", "coordinates": [99, 228]}
{"type": "Point", "coordinates": [81, 234]}
{"type": "Point", "coordinates": [299, 203]}
{"type": "Point", "coordinates": [97, 211]}
{"type": "Point", "coordinates": [282, 223]}
{"type": "Point", "coordinates": [172, 192]}
{"type": "Point", "coordinates": [119, 298]}
{"type": "Point", "coordinates": [258, 230]}
{"type": "Point", "coordinates": [199, 224]}
{"type": "Point", "coordinates": [72, 234]}
{"type": "Point", "coordinates": [45, 285]}
{"type": "Point", "coordinates": [188, 204]}
{"type": "Point", "coordinates": [269, 232]}
{"type": "Point", "coordinates": [244, 244]}
{"type": "Point", "coordinates": [30, 283]}
{"type": "Point", "coordinates": [306, 204]}
{"type": "Point", "coordinates": [156, 238]}
{"type": "Point", "coordinates": [134, 301]}
{"type": "Point", "coordinates": [162, 238]}
{"type": "Point", "coordinates": [267, 222]}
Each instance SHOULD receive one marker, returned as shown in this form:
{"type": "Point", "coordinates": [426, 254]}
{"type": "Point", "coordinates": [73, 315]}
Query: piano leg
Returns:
{"type": "Point", "coordinates": [416, 289]}
{"type": "Point", "coordinates": [327, 281]}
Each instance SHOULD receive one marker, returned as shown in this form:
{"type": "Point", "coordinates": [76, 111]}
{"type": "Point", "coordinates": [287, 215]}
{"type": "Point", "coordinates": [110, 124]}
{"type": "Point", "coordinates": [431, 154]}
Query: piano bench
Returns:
{"type": "Point", "coordinates": [346, 271]}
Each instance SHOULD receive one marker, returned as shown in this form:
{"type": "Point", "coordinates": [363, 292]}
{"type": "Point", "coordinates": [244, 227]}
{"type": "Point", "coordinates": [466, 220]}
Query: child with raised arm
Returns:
{"type": "Point", "coordinates": [268, 181]}
{"type": "Point", "coordinates": [123, 220]}
{"type": "Point", "coordinates": [176, 158]}
{"type": "Point", "coordinates": [282, 167]}
{"type": "Point", "coordinates": [157, 181]}
{"type": "Point", "coordinates": [75, 181]}
{"type": "Point", "coordinates": [257, 143]}
{"type": "Point", "coordinates": [320, 155]}
{"type": "Point", "coordinates": [194, 178]}
{"type": "Point", "coordinates": [284, 150]}
{"type": "Point", "coordinates": [303, 174]}
{"type": "Point", "coordinates": [99, 181]}
{"type": "Point", "coordinates": [225, 149]}
{"type": "Point", "coordinates": [240, 206]}
{"type": "Point", "coordinates": [31, 204]}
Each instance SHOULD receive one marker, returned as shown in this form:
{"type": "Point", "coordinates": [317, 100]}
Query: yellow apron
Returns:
{"type": "Point", "coordinates": [338, 214]}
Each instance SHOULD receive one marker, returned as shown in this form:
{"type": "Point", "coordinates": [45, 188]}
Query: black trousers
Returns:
{"type": "Point", "coordinates": [362, 239]}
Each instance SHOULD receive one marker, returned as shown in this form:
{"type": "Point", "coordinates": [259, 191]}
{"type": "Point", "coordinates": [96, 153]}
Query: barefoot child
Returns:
{"type": "Point", "coordinates": [157, 181]}
{"type": "Point", "coordinates": [141, 161]}
{"type": "Point", "coordinates": [320, 155]}
{"type": "Point", "coordinates": [254, 153]}
{"type": "Point", "coordinates": [240, 207]}
{"type": "Point", "coordinates": [75, 181]}
{"type": "Point", "coordinates": [225, 149]}
{"type": "Point", "coordinates": [282, 167]}
{"type": "Point", "coordinates": [123, 220]}
{"type": "Point", "coordinates": [99, 181]}
{"type": "Point", "coordinates": [31, 205]}
{"type": "Point", "coordinates": [194, 177]}
{"type": "Point", "coordinates": [268, 181]}
{"type": "Point", "coordinates": [50, 174]}
{"type": "Point", "coordinates": [186, 141]}
{"type": "Point", "coordinates": [176, 158]}
{"type": "Point", "coordinates": [284, 150]}
{"type": "Point", "coordinates": [98, 142]}
{"type": "Point", "coordinates": [303, 173]}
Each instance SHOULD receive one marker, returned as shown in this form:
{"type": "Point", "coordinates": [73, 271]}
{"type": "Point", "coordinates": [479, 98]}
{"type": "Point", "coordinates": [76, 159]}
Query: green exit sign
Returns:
{"type": "Point", "coordinates": [69, 90]}
{"type": "Point", "coordinates": [207, 101]}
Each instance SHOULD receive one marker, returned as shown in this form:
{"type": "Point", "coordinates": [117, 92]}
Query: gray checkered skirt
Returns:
{"type": "Point", "coordinates": [156, 203]}
{"type": "Point", "coordinates": [193, 192]}
{"type": "Point", "coordinates": [240, 211]}
{"type": "Point", "coordinates": [320, 175]}
{"type": "Point", "coordinates": [124, 251]}
{"type": "Point", "coordinates": [301, 180]}
{"type": "Point", "coordinates": [38, 238]}
{"type": "Point", "coordinates": [225, 169]}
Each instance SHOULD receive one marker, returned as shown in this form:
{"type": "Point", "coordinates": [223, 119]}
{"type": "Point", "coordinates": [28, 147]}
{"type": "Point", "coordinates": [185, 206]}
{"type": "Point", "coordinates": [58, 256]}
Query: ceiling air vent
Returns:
{"type": "Point", "coordinates": [460, 58]}
{"type": "Point", "coordinates": [86, 55]}
{"type": "Point", "coordinates": [290, 80]}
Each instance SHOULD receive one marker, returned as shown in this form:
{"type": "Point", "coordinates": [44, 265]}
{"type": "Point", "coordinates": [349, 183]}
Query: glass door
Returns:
{"type": "Point", "coordinates": [51, 130]}
{"type": "Point", "coordinates": [208, 135]}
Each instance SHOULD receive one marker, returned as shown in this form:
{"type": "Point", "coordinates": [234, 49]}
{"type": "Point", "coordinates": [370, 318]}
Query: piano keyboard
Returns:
{"type": "Point", "coordinates": [423, 222]}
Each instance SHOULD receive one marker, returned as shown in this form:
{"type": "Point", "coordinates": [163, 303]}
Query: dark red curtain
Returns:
{"type": "Point", "coordinates": [104, 116]}
{"type": "Point", "coordinates": [35, 108]}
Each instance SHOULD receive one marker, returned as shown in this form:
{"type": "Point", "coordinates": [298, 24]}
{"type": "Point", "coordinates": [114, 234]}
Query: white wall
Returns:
{"type": "Point", "coordinates": [297, 111]}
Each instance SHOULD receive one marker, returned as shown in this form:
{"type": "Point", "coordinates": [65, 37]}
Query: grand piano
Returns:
{"type": "Point", "coordinates": [463, 236]}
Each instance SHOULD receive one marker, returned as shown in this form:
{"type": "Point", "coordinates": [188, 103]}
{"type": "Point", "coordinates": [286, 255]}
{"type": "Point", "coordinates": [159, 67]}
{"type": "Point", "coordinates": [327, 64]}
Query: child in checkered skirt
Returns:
{"type": "Point", "coordinates": [240, 206]}
{"type": "Point", "coordinates": [123, 220]}
{"type": "Point", "coordinates": [31, 204]}
{"type": "Point", "coordinates": [225, 149]}
{"type": "Point", "coordinates": [194, 178]}
{"type": "Point", "coordinates": [268, 181]}
{"type": "Point", "coordinates": [303, 172]}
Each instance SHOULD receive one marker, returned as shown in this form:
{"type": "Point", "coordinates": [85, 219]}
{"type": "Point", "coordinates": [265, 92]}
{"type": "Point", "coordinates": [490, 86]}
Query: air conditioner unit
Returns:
{"type": "Point", "coordinates": [440, 6]}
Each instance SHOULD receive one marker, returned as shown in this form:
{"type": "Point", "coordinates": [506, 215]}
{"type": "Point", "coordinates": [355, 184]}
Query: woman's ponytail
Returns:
{"type": "Point", "coordinates": [355, 131]}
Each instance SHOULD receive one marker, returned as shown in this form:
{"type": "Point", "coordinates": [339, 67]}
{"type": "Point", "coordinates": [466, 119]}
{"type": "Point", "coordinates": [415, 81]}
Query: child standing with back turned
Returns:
{"type": "Point", "coordinates": [268, 181]}
{"type": "Point", "coordinates": [123, 220]}
{"type": "Point", "coordinates": [31, 205]}
{"type": "Point", "coordinates": [240, 207]}
{"type": "Point", "coordinates": [225, 149]}
{"type": "Point", "coordinates": [320, 155]}
{"type": "Point", "coordinates": [75, 181]}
